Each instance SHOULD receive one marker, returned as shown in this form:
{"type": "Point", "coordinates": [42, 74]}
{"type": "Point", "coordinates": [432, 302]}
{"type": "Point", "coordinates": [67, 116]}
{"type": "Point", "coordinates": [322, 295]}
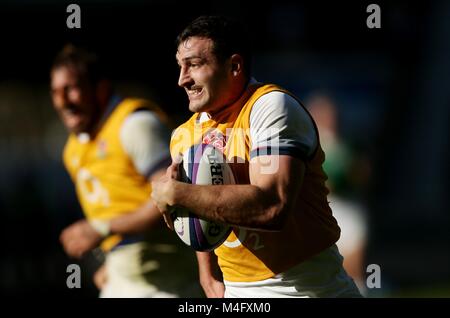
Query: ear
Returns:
{"type": "Point", "coordinates": [237, 64]}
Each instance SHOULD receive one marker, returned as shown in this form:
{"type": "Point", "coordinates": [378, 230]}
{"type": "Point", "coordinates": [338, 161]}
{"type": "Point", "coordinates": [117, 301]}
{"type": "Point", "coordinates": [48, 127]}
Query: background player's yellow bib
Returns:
{"type": "Point", "coordinates": [106, 181]}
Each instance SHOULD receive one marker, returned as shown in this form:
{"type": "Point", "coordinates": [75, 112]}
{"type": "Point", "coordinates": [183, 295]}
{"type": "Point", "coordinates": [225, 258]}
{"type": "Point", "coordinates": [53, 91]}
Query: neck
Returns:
{"type": "Point", "coordinates": [105, 109]}
{"type": "Point", "coordinates": [236, 102]}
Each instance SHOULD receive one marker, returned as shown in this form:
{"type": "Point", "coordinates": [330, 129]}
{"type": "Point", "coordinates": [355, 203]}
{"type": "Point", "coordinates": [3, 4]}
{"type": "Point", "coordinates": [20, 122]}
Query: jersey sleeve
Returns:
{"type": "Point", "coordinates": [145, 139]}
{"type": "Point", "coordinates": [280, 125]}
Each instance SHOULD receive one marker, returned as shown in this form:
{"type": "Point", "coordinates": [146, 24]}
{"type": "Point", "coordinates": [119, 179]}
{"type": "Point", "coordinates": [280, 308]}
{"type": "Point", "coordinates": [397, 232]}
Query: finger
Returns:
{"type": "Point", "coordinates": [154, 196]}
{"type": "Point", "coordinates": [77, 250]}
{"type": "Point", "coordinates": [159, 204]}
{"type": "Point", "coordinates": [177, 159]}
{"type": "Point", "coordinates": [62, 237]}
{"type": "Point", "coordinates": [166, 215]}
{"type": "Point", "coordinates": [65, 237]}
{"type": "Point", "coordinates": [64, 246]}
{"type": "Point", "coordinates": [170, 216]}
{"type": "Point", "coordinates": [173, 171]}
{"type": "Point", "coordinates": [155, 186]}
{"type": "Point", "coordinates": [70, 248]}
{"type": "Point", "coordinates": [65, 232]}
{"type": "Point", "coordinates": [168, 220]}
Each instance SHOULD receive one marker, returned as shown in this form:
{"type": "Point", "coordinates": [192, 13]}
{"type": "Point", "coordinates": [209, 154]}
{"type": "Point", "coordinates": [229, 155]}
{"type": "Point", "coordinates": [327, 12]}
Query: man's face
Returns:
{"type": "Point", "coordinates": [208, 82]}
{"type": "Point", "coordinates": [74, 99]}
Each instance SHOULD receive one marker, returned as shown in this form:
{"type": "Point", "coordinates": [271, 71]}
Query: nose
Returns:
{"type": "Point", "coordinates": [184, 78]}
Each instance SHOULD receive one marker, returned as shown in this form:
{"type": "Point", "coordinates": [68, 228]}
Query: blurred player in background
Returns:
{"type": "Point", "coordinates": [346, 172]}
{"type": "Point", "coordinates": [115, 147]}
{"type": "Point", "coordinates": [283, 241]}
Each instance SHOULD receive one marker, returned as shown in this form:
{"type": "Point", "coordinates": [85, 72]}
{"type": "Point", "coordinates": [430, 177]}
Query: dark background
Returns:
{"type": "Point", "coordinates": [391, 86]}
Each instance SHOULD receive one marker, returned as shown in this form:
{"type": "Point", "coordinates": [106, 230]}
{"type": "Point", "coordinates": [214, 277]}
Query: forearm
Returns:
{"type": "Point", "coordinates": [210, 275]}
{"type": "Point", "coordinates": [240, 205]}
{"type": "Point", "coordinates": [208, 267]}
{"type": "Point", "coordinates": [144, 218]}
{"type": "Point", "coordinates": [263, 204]}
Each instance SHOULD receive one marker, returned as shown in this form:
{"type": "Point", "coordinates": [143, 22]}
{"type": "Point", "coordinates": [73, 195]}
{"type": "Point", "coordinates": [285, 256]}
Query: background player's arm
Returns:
{"type": "Point", "coordinates": [145, 139]}
{"type": "Point", "coordinates": [143, 219]}
{"type": "Point", "coordinates": [83, 236]}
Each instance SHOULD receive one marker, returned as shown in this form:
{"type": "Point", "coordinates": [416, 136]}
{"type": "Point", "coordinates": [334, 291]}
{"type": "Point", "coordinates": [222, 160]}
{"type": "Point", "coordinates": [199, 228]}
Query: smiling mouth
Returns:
{"type": "Point", "coordinates": [67, 113]}
{"type": "Point", "coordinates": [72, 118]}
{"type": "Point", "coordinates": [70, 111]}
{"type": "Point", "coordinates": [193, 93]}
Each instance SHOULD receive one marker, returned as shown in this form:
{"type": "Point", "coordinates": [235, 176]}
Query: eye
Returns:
{"type": "Point", "coordinates": [195, 63]}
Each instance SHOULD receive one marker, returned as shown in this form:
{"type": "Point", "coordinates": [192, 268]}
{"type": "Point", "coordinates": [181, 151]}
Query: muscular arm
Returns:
{"type": "Point", "coordinates": [263, 204]}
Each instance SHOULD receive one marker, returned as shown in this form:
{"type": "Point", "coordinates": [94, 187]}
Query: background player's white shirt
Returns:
{"type": "Point", "coordinates": [146, 141]}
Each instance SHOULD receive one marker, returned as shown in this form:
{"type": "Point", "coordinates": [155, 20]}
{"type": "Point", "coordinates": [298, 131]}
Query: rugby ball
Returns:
{"type": "Point", "coordinates": [205, 165]}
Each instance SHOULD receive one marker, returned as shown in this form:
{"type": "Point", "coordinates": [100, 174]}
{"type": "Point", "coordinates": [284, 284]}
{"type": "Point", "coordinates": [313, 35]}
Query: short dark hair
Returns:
{"type": "Point", "coordinates": [228, 35]}
{"type": "Point", "coordinates": [85, 62]}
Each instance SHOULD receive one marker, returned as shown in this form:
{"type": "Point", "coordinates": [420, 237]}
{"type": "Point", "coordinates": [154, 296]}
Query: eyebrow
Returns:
{"type": "Point", "coordinates": [190, 58]}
